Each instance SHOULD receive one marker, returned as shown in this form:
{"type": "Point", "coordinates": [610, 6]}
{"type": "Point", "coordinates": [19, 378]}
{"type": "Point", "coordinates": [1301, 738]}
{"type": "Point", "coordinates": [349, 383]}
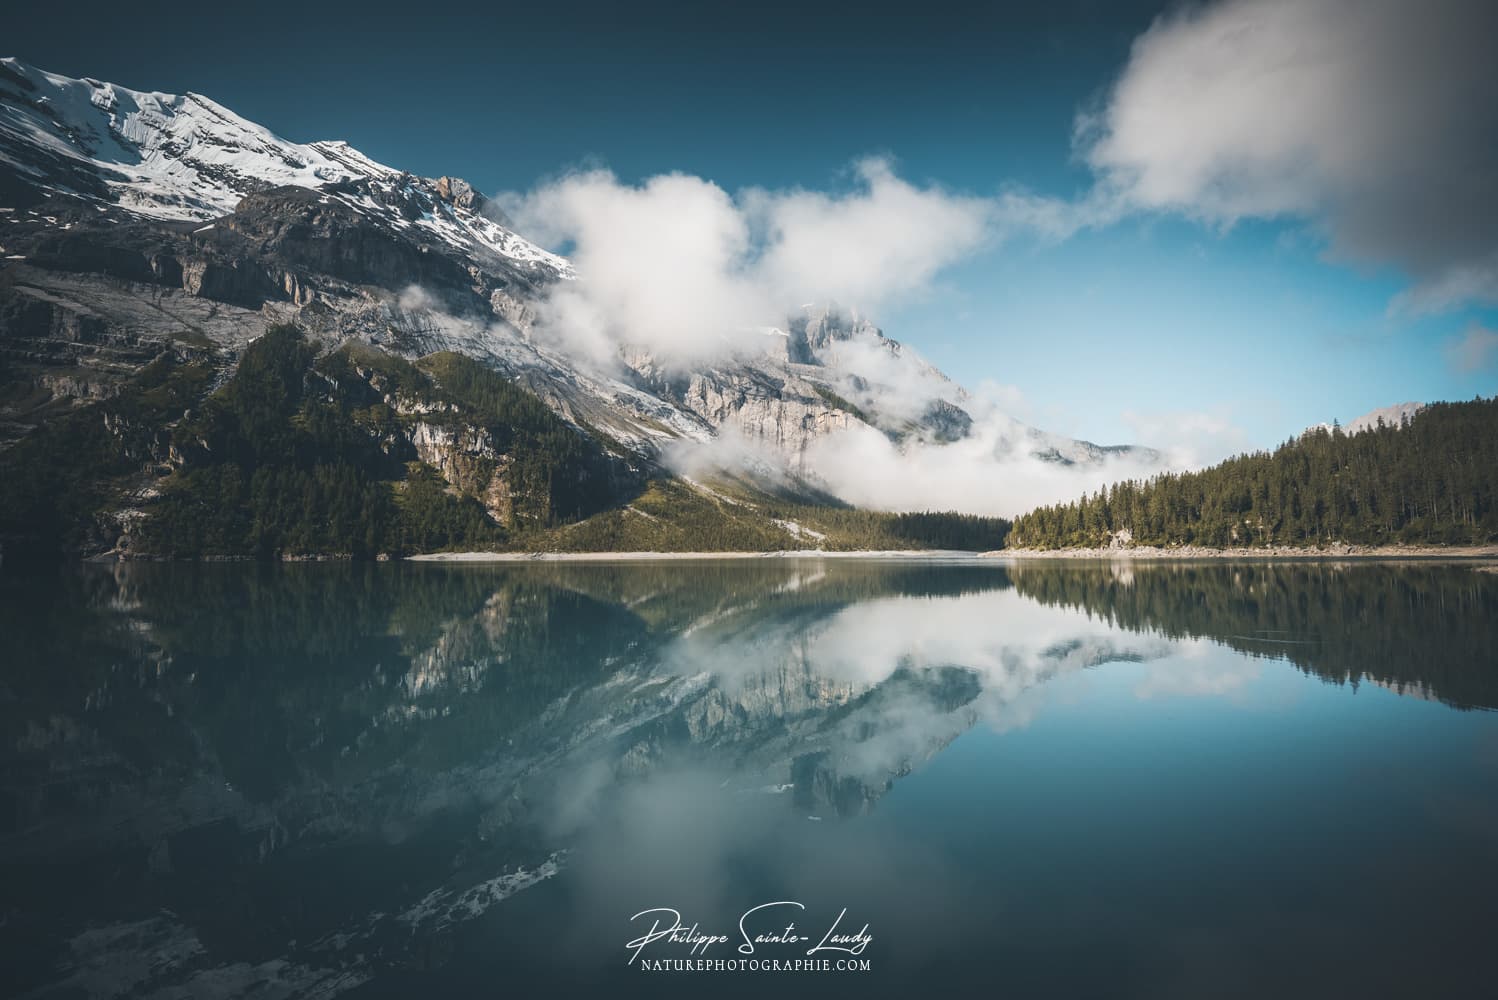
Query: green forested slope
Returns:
{"type": "Point", "coordinates": [297, 455]}
{"type": "Point", "coordinates": [1433, 480]}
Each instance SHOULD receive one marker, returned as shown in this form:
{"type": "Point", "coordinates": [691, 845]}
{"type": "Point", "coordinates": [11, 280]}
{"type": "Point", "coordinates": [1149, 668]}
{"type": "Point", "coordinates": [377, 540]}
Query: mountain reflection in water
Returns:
{"type": "Point", "coordinates": [302, 780]}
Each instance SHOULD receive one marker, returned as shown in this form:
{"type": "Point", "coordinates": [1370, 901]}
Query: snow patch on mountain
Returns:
{"type": "Point", "coordinates": [162, 155]}
{"type": "Point", "coordinates": [188, 158]}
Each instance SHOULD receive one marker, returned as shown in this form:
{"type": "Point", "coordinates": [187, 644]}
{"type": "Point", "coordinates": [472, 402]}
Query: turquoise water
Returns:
{"type": "Point", "coordinates": [1025, 780]}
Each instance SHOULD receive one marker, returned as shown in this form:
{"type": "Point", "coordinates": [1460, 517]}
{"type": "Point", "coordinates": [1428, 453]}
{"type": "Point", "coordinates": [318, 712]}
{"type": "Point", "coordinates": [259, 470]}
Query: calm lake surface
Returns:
{"type": "Point", "coordinates": [1040, 779]}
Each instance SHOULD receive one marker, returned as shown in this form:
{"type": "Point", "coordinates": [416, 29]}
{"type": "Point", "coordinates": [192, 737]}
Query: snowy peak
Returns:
{"type": "Point", "coordinates": [188, 158]}
{"type": "Point", "coordinates": [160, 155]}
{"type": "Point", "coordinates": [356, 163]}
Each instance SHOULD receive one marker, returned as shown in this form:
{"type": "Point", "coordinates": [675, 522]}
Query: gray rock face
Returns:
{"type": "Point", "coordinates": [782, 414]}
{"type": "Point", "coordinates": [458, 192]}
{"type": "Point", "coordinates": [819, 328]}
{"type": "Point", "coordinates": [789, 393]}
{"type": "Point", "coordinates": [467, 458]}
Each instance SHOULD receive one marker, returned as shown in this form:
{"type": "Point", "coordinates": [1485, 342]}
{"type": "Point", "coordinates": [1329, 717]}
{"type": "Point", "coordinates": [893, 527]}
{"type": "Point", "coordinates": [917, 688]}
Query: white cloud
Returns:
{"type": "Point", "coordinates": [997, 470]}
{"type": "Point", "coordinates": [678, 265]}
{"type": "Point", "coordinates": [665, 264]}
{"type": "Point", "coordinates": [897, 383]}
{"type": "Point", "coordinates": [1377, 120]}
{"type": "Point", "coordinates": [1189, 439]}
{"type": "Point", "coordinates": [885, 240]}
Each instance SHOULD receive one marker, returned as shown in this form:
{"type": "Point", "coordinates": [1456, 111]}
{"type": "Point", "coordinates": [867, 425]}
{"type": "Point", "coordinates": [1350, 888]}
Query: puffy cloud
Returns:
{"type": "Point", "coordinates": [680, 266]}
{"type": "Point", "coordinates": [665, 264]}
{"type": "Point", "coordinates": [1377, 120]}
{"type": "Point", "coordinates": [887, 239]}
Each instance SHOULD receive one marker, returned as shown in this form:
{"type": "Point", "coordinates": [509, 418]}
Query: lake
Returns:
{"type": "Point", "coordinates": [970, 777]}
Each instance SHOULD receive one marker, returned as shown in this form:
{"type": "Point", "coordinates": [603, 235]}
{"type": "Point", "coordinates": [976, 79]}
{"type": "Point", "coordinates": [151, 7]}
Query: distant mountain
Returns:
{"type": "Point", "coordinates": [140, 228]}
{"type": "Point", "coordinates": [1392, 416]}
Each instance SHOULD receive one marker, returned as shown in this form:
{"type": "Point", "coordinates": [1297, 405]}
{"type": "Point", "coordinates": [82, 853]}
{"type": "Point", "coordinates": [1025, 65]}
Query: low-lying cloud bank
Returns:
{"type": "Point", "coordinates": [1000, 468]}
{"type": "Point", "coordinates": [988, 472]}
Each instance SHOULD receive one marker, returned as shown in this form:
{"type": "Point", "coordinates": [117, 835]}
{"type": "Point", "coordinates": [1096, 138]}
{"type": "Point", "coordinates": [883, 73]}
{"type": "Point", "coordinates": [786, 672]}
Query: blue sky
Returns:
{"type": "Point", "coordinates": [1164, 316]}
{"type": "Point", "coordinates": [1189, 310]}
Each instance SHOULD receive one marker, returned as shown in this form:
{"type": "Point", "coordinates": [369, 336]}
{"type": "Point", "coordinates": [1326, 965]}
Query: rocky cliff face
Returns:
{"type": "Point", "coordinates": [781, 412]}
{"type": "Point", "coordinates": [467, 458]}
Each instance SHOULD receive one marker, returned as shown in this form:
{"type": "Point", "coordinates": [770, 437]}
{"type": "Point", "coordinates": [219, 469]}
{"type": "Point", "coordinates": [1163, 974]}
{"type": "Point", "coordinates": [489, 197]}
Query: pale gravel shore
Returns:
{"type": "Point", "coordinates": [652, 556]}
{"type": "Point", "coordinates": [1339, 552]}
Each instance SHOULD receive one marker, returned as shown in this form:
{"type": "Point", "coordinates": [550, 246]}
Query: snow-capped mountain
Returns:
{"type": "Point", "coordinates": [188, 158]}
{"type": "Point", "coordinates": [134, 223]}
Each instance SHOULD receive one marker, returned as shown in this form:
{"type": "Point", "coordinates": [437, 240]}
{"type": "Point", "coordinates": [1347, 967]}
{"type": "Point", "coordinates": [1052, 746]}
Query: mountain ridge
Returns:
{"type": "Point", "coordinates": [138, 224]}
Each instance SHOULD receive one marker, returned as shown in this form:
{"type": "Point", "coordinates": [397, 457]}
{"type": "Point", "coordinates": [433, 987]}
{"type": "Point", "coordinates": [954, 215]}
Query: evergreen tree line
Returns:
{"type": "Point", "coordinates": [950, 530]}
{"type": "Point", "coordinates": [1432, 479]}
{"type": "Point", "coordinates": [56, 481]}
{"type": "Point", "coordinates": [853, 528]}
{"type": "Point", "coordinates": [299, 455]}
{"type": "Point", "coordinates": [304, 455]}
